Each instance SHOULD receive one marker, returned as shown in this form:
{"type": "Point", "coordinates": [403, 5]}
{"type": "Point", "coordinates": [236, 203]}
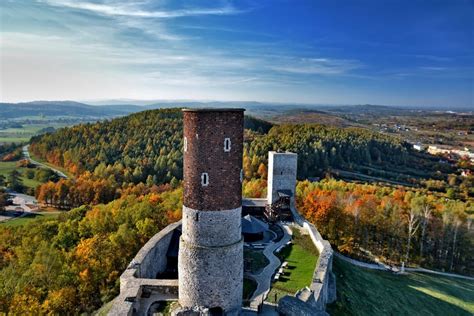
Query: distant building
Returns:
{"type": "Point", "coordinates": [434, 150]}
{"type": "Point", "coordinates": [419, 147]}
{"type": "Point", "coordinates": [454, 153]}
{"type": "Point", "coordinates": [466, 173]}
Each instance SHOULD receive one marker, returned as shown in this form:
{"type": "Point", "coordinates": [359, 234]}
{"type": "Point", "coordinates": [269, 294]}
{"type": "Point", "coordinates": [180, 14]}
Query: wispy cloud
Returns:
{"type": "Point", "coordinates": [205, 48]}
{"type": "Point", "coordinates": [135, 10]}
{"type": "Point", "coordinates": [430, 57]}
{"type": "Point", "coordinates": [152, 28]}
{"type": "Point", "coordinates": [319, 66]}
{"type": "Point", "coordinates": [433, 68]}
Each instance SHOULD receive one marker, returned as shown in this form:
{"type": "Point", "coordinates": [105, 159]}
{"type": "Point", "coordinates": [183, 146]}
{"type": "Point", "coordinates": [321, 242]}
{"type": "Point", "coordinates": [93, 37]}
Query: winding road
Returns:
{"type": "Point", "coordinates": [26, 155]}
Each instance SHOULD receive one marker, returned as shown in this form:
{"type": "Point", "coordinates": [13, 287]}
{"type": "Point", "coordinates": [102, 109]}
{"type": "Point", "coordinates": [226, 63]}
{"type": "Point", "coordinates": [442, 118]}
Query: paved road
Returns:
{"type": "Point", "coordinates": [26, 154]}
{"type": "Point", "coordinates": [264, 278]}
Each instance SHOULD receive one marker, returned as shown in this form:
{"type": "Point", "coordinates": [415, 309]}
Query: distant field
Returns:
{"type": "Point", "coordinates": [310, 117]}
{"type": "Point", "coordinates": [368, 292]}
{"type": "Point", "coordinates": [16, 135]}
{"type": "Point", "coordinates": [29, 218]}
{"type": "Point", "coordinates": [5, 139]}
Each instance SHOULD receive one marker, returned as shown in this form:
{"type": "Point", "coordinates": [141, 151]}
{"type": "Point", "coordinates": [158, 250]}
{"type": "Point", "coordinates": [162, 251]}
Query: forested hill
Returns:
{"type": "Point", "coordinates": [321, 148]}
{"type": "Point", "coordinates": [62, 109]}
{"type": "Point", "coordinates": [130, 148]}
{"type": "Point", "coordinates": [146, 147]}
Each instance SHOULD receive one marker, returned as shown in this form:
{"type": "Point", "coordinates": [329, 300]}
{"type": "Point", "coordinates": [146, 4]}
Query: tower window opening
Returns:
{"type": "Point", "coordinates": [227, 144]}
{"type": "Point", "coordinates": [185, 144]}
{"type": "Point", "coordinates": [204, 179]}
{"type": "Point", "coordinates": [241, 175]}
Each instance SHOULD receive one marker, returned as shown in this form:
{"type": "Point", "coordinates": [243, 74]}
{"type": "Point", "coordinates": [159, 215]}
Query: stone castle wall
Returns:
{"type": "Point", "coordinates": [323, 284]}
{"type": "Point", "coordinates": [140, 276]}
{"type": "Point", "coordinates": [322, 289]}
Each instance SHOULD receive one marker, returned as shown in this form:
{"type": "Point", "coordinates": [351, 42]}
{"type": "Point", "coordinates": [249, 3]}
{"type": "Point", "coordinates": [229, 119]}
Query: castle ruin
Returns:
{"type": "Point", "coordinates": [205, 248]}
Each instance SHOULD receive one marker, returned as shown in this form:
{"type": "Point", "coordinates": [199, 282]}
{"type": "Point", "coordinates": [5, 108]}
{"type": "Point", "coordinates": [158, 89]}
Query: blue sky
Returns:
{"type": "Point", "coordinates": [409, 52]}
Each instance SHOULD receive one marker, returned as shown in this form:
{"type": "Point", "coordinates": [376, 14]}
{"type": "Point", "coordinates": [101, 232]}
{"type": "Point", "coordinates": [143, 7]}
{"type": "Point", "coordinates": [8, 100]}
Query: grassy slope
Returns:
{"type": "Point", "coordinates": [7, 166]}
{"type": "Point", "coordinates": [367, 292]}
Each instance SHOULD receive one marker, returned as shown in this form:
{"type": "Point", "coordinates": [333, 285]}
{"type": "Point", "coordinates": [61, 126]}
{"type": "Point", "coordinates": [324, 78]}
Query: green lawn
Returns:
{"type": "Point", "coordinates": [368, 292]}
{"type": "Point", "coordinates": [7, 166]}
{"type": "Point", "coordinates": [254, 260]}
{"type": "Point", "coordinates": [301, 258]}
{"type": "Point", "coordinates": [29, 218]}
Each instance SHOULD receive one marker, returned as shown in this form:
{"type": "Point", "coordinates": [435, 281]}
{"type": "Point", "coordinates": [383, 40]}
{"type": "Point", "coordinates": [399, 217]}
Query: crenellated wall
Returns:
{"type": "Point", "coordinates": [139, 287]}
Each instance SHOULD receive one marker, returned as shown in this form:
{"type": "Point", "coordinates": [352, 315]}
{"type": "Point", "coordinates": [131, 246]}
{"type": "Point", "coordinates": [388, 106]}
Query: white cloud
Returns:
{"type": "Point", "coordinates": [117, 55]}
{"type": "Point", "coordinates": [151, 28]}
{"type": "Point", "coordinates": [132, 10]}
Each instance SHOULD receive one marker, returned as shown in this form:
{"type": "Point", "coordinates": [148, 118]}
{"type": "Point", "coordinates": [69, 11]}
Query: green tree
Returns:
{"type": "Point", "coordinates": [14, 181]}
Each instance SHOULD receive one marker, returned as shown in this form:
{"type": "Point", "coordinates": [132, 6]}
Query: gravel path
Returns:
{"type": "Point", "coordinates": [264, 278]}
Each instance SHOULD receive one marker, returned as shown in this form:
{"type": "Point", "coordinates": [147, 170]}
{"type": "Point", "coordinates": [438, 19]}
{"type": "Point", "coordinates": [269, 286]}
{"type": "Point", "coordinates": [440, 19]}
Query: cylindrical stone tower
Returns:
{"type": "Point", "coordinates": [210, 263]}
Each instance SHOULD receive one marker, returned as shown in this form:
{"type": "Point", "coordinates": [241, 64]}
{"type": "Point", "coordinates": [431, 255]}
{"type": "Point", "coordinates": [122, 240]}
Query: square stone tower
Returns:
{"type": "Point", "coordinates": [210, 259]}
{"type": "Point", "coordinates": [282, 169]}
